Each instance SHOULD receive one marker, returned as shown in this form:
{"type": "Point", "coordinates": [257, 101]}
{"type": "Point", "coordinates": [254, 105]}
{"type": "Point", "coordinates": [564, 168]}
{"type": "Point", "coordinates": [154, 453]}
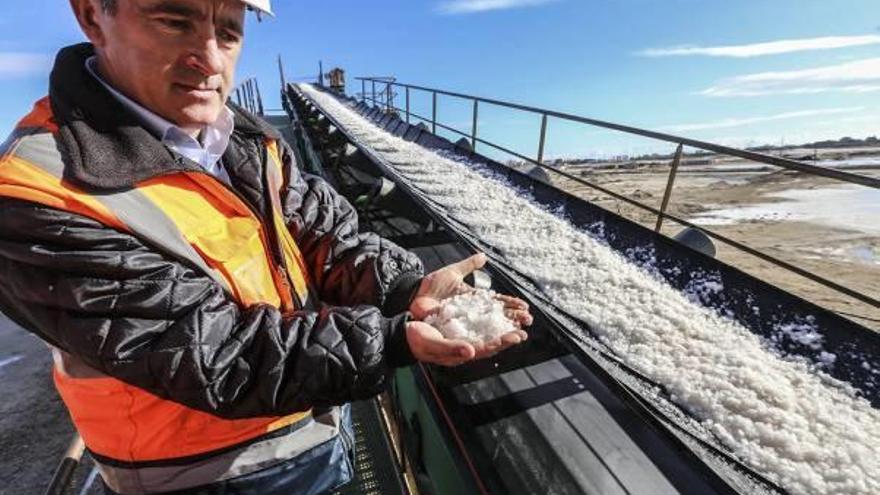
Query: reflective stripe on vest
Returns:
{"type": "Point", "coordinates": [190, 217]}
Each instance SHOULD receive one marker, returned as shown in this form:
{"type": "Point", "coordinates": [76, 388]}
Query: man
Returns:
{"type": "Point", "coordinates": [208, 306]}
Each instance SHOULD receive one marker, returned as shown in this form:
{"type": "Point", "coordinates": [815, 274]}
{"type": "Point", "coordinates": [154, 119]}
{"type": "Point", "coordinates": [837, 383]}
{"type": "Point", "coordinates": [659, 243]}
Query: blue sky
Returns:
{"type": "Point", "coordinates": [739, 72]}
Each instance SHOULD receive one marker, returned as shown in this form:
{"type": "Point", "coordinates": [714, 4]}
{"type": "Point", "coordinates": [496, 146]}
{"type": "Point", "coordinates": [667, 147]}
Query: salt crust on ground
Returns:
{"type": "Point", "coordinates": [802, 430]}
{"type": "Point", "coordinates": [475, 317]}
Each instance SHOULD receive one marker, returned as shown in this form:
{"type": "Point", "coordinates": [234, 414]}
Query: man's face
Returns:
{"type": "Point", "coordinates": [175, 57]}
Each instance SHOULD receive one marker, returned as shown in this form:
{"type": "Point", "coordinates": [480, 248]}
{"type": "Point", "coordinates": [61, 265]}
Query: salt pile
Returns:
{"type": "Point", "coordinates": [798, 427]}
{"type": "Point", "coordinates": [475, 316]}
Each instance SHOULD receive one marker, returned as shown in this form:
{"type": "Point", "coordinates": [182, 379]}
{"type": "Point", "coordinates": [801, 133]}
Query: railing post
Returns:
{"type": "Point", "coordinates": [254, 95]}
{"type": "Point", "coordinates": [669, 183]}
{"type": "Point", "coordinates": [389, 102]}
{"type": "Point", "coordinates": [374, 103]}
{"type": "Point", "coordinates": [407, 104]}
{"type": "Point", "coordinates": [543, 139]}
{"type": "Point", "coordinates": [281, 72]}
{"type": "Point", "coordinates": [474, 125]}
{"type": "Point", "coordinates": [253, 100]}
{"type": "Point", "coordinates": [259, 97]}
{"type": "Point", "coordinates": [363, 90]}
{"type": "Point", "coordinates": [434, 115]}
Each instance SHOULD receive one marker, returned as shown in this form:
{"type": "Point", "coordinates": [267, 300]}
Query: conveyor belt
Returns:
{"type": "Point", "coordinates": [754, 303]}
{"type": "Point", "coordinates": [692, 460]}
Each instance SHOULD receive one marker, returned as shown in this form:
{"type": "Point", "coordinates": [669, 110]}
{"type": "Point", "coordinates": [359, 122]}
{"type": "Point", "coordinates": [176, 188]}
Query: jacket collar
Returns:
{"type": "Point", "coordinates": [104, 143]}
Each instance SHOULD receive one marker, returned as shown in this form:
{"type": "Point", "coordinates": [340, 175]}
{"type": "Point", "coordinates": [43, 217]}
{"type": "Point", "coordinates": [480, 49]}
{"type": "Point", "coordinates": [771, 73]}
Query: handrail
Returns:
{"type": "Point", "coordinates": [248, 95]}
{"type": "Point", "coordinates": [679, 140]}
{"type": "Point", "coordinates": [670, 138]}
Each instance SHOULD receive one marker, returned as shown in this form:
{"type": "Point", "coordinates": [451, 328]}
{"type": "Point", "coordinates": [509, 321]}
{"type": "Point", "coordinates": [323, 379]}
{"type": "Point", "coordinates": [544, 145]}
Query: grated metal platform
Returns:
{"type": "Point", "coordinates": [376, 471]}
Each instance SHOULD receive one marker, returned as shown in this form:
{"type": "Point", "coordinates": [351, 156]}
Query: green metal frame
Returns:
{"type": "Point", "coordinates": [444, 474]}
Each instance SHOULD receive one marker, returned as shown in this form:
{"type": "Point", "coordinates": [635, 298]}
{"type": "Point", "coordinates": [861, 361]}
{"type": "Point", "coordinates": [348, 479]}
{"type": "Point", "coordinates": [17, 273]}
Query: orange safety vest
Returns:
{"type": "Point", "coordinates": [191, 216]}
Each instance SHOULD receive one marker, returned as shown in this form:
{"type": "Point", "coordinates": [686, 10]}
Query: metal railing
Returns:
{"type": "Point", "coordinates": [383, 95]}
{"type": "Point", "coordinates": [387, 95]}
{"type": "Point", "coordinates": [248, 95]}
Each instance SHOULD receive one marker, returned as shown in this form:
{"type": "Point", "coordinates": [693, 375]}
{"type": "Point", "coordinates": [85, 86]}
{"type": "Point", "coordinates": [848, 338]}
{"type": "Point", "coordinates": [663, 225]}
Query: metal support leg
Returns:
{"type": "Point", "coordinates": [474, 125]}
{"type": "Point", "coordinates": [669, 183]}
{"type": "Point", "coordinates": [64, 473]}
{"type": "Point", "coordinates": [434, 115]}
{"type": "Point", "coordinates": [543, 139]}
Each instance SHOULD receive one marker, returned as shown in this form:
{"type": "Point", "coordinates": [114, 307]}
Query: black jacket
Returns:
{"type": "Point", "coordinates": [154, 322]}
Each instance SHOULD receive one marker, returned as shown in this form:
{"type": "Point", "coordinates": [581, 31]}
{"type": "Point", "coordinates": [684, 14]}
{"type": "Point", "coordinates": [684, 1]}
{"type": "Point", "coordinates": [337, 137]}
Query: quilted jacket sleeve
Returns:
{"type": "Point", "coordinates": [155, 323]}
{"type": "Point", "coordinates": [349, 267]}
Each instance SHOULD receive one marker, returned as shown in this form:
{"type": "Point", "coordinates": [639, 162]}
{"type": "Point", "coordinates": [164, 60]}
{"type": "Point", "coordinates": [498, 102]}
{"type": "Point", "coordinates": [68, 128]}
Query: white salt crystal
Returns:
{"type": "Point", "coordinates": [476, 317]}
{"type": "Point", "coordinates": [827, 358]}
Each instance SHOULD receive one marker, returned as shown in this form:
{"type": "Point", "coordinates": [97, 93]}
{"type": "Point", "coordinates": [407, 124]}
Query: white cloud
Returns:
{"type": "Point", "coordinates": [769, 48]}
{"type": "Point", "coordinates": [860, 76]}
{"type": "Point", "coordinates": [861, 119]}
{"type": "Point", "coordinates": [473, 6]}
{"type": "Point", "coordinates": [725, 123]}
{"type": "Point", "coordinates": [16, 64]}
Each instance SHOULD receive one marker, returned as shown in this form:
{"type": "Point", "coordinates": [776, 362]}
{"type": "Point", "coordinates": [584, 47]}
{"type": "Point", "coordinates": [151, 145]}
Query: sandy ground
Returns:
{"type": "Point", "coordinates": [849, 256]}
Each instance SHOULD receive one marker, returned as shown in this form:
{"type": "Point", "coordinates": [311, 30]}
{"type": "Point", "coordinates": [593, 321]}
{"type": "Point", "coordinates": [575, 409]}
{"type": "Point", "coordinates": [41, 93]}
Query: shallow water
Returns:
{"type": "Point", "coordinates": [867, 254]}
{"type": "Point", "coordinates": [849, 207]}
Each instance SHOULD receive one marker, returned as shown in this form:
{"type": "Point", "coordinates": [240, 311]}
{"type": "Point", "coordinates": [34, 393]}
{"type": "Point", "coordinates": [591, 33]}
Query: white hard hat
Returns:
{"type": "Point", "coordinates": [263, 6]}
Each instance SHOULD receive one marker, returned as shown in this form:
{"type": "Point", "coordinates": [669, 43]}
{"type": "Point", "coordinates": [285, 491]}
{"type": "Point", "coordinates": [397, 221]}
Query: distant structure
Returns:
{"type": "Point", "coordinates": [337, 80]}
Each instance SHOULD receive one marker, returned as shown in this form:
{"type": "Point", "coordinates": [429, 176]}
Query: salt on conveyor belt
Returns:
{"type": "Point", "coordinates": [800, 428]}
{"type": "Point", "coordinates": [476, 317]}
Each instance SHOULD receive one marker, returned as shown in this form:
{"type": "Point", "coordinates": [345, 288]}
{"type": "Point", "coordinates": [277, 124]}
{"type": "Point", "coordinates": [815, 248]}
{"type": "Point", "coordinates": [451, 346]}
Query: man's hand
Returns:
{"type": "Point", "coordinates": [429, 345]}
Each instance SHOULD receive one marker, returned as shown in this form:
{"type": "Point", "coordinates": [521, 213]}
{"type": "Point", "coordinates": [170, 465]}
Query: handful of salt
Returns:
{"type": "Point", "coordinates": [476, 317]}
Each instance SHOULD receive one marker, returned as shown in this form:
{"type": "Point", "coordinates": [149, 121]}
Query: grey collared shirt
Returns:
{"type": "Point", "coordinates": [206, 152]}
